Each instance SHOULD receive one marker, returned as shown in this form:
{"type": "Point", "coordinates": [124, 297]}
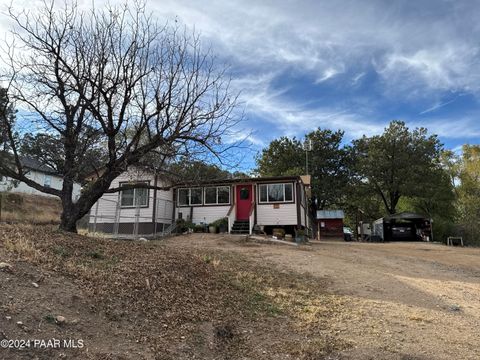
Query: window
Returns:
{"type": "Point", "coordinates": [192, 196]}
{"type": "Point", "coordinates": [271, 193]}
{"type": "Point", "coordinates": [211, 195]}
{"type": "Point", "coordinates": [217, 195]}
{"type": "Point", "coordinates": [196, 196]}
{"type": "Point", "coordinates": [275, 192]}
{"type": "Point", "coordinates": [47, 182]}
{"type": "Point", "coordinates": [244, 193]}
{"type": "Point", "coordinates": [134, 197]}
{"type": "Point", "coordinates": [183, 195]}
{"type": "Point", "coordinates": [223, 194]}
{"type": "Point", "coordinates": [263, 193]}
{"type": "Point", "coordinates": [288, 192]}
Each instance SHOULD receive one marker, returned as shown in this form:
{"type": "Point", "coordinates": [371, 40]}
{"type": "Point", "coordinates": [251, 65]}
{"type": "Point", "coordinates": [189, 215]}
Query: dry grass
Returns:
{"type": "Point", "coordinates": [30, 209]}
{"type": "Point", "coordinates": [21, 245]}
{"type": "Point", "coordinates": [223, 305]}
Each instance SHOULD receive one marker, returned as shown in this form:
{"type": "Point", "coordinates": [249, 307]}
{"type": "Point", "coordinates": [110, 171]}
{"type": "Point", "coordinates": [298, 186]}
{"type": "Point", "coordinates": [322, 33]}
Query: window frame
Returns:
{"type": "Point", "coordinates": [284, 201]}
{"type": "Point", "coordinates": [217, 187]}
{"type": "Point", "coordinates": [134, 206]}
{"type": "Point", "coordinates": [203, 196]}
{"type": "Point", "coordinates": [189, 197]}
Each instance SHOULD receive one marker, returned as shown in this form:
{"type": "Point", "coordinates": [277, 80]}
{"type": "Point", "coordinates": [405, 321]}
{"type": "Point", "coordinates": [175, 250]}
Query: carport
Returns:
{"type": "Point", "coordinates": [404, 226]}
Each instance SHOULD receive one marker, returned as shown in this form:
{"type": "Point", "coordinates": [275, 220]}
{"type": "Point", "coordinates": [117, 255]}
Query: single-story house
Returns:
{"type": "Point", "coordinates": [330, 223]}
{"type": "Point", "coordinates": [247, 203]}
{"type": "Point", "coordinates": [40, 173]}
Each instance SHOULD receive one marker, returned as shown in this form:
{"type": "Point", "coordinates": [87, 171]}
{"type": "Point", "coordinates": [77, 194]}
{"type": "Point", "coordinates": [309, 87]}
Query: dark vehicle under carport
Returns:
{"type": "Point", "coordinates": [404, 226]}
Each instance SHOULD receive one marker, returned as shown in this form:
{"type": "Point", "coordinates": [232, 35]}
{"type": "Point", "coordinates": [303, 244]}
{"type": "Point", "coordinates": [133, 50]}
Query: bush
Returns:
{"type": "Point", "coordinates": [279, 233]}
{"type": "Point", "coordinates": [183, 226]}
{"type": "Point", "coordinates": [220, 222]}
{"type": "Point", "coordinates": [199, 228]}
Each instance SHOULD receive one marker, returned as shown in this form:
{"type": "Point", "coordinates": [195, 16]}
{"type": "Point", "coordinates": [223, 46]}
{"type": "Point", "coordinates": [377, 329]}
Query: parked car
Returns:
{"type": "Point", "coordinates": [347, 234]}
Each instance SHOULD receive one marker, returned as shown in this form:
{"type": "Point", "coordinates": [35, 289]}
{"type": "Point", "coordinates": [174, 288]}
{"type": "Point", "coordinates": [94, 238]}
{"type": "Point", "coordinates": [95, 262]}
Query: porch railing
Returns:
{"type": "Point", "coordinates": [230, 217]}
{"type": "Point", "coordinates": [251, 217]}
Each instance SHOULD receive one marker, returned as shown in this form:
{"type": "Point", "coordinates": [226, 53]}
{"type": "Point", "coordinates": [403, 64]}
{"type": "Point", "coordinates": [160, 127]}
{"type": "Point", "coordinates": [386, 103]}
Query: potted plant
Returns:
{"type": "Point", "coordinates": [199, 228]}
{"type": "Point", "coordinates": [300, 236]}
{"type": "Point", "coordinates": [183, 226]}
{"type": "Point", "coordinates": [212, 228]}
{"type": "Point", "coordinates": [220, 224]}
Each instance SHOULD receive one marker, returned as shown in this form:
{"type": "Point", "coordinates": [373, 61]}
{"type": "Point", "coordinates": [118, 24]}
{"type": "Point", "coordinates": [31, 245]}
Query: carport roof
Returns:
{"type": "Point", "coordinates": [405, 216]}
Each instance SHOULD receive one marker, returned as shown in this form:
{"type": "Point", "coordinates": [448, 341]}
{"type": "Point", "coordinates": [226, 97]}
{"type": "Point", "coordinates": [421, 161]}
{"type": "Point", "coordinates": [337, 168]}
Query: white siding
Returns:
{"type": "Point", "coordinates": [286, 214]}
{"type": "Point", "coordinates": [106, 207]}
{"type": "Point", "coordinates": [204, 214]}
{"type": "Point", "coordinates": [39, 177]}
{"type": "Point", "coordinates": [164, 210]}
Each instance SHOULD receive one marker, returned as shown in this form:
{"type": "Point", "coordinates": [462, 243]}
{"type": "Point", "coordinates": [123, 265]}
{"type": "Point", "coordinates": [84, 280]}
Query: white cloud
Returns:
{"type": "Point", "coordinates": [466, 127]}
{"type": "Point", "coordinates": [418, 49]}
{"type": "Point", "coordinates": [327, 74]}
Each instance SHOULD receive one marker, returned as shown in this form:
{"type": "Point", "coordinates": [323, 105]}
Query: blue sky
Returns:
{"type": "Point", "coordinates": [350, 65]}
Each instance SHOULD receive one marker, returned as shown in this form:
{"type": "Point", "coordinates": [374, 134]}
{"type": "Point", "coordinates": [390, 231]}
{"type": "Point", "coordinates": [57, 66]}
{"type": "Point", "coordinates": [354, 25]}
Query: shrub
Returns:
{"type": "Point", "coordinates": [183, 226]}
{"type": "Point", "coordinates": [279, 232]}
{"type": "Point", "coordinates": [199, 228]}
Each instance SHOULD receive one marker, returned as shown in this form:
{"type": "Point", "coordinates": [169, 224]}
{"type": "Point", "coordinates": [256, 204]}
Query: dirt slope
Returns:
{"type": "Point", "coordinates": [136, 300]}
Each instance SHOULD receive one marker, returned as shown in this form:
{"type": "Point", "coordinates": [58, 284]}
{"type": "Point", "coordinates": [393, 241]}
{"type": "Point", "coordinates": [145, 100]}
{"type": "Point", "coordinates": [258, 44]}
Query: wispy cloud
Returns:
{"type": "Point", "coordinates": [409, 58]}
{"type": "Point", "coordinates": [437, 106]}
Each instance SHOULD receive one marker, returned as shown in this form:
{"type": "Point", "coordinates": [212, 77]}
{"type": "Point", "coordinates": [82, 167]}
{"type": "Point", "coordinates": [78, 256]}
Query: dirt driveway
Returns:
{"type": "Point", "coordinates": [399, 300]}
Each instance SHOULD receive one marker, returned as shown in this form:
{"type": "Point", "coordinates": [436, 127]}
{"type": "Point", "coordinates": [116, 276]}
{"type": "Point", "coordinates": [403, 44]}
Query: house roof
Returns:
{"type": "Point", "coordinates": [29, 163]}
{"type": "Point", "coordinates": [330, 214]}
{"type": "Point", "coordinates": [240, 180]}
{"type": "Point", "coordinates": [405, 215]}
{"type": "Point", "coordinates": [36, 165]}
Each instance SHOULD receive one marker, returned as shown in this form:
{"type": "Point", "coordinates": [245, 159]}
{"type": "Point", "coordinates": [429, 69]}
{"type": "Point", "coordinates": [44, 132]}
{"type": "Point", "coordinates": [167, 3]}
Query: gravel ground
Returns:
{"type": "Point", "coordinates": [397, 300]}
{"type": "Point", "coordinates": [203, 296]}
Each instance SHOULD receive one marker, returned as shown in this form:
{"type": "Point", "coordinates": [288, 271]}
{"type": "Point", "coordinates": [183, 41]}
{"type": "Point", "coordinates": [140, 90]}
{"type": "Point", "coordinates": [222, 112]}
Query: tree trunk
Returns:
{"type": "Point", "coordinates": [68, 223]}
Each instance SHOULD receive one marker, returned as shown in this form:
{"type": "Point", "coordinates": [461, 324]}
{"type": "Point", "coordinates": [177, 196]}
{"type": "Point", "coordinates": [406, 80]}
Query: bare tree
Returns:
{"type": "Point", "coordinates": [117, 76]}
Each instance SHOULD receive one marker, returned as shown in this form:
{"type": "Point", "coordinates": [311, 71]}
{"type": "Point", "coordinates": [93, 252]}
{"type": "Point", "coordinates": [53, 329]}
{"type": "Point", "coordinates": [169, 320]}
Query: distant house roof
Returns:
{"type": "Point", "coordinates": [36, 165]}
{"type": "Point", "coordinates": [29, 163]}
{"type": "Point", "coordinates": [330, 214]}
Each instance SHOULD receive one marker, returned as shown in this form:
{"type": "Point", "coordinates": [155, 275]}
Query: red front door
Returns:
{"type": "Point", "coordinates": [244, 198]}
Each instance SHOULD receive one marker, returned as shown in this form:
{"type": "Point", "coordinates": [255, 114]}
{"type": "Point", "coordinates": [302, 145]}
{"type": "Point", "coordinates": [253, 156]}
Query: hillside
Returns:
{"type": "Point", "coordinates": [26, 208]}
{"type": "Point", "coordinates": [144, 300]}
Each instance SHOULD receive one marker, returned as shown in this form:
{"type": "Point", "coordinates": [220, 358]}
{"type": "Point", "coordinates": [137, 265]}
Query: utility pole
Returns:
{"type": "Point", "coordinates": [308, 147]}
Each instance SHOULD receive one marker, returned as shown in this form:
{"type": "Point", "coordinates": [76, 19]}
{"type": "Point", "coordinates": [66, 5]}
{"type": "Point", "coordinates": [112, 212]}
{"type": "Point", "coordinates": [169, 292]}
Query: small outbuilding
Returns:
{"type": "Point", "coordinates": [330, 223]}
{"type": "Point", "coordinates": [404, 226]}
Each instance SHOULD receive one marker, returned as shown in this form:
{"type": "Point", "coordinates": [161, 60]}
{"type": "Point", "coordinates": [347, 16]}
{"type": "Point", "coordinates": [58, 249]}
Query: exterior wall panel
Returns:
{"type": "Point", "coordinates": [285, 214]}
{"type": "Point", "coordinates": [204, 214]}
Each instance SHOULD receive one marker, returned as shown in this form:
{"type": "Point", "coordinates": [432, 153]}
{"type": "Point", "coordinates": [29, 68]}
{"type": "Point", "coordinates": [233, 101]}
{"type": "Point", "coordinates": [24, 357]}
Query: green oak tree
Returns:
{"type": "Point", "coordinates": [399, 162]}
{"type": "Point", "coordinates": [328, 163]}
